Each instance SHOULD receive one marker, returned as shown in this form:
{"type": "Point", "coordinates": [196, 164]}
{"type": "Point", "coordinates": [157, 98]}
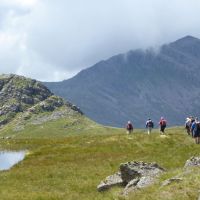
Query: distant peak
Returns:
{"type": "Point", "coordinates": [189, 37]}
{"type": "Point", "coordinates": [186, 39]}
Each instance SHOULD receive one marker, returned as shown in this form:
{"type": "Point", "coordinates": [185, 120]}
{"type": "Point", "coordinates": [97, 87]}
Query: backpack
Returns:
{"type": "Point", "coordinates": [163, 123]}
{"type": "Point", "coordinates": [188, 124]}
{"type": "Point", "coordinates": [150, 124]}
{"type": "Point", "coordinates": [129, 126]}
{"type": "Point", "coordinates": [198, 126]}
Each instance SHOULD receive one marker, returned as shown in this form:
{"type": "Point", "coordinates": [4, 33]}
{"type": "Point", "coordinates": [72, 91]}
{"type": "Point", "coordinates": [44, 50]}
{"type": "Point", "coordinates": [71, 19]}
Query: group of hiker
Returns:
{"type": "Point", "coordinates": [192, 126]}
{"type": "Point", "coordinates": [149, 126]}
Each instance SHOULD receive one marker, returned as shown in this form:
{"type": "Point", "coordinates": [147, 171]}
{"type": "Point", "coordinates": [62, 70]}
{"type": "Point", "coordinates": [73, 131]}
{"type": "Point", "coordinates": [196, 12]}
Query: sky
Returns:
{"type": "Point", "coordinates": [52, 40]}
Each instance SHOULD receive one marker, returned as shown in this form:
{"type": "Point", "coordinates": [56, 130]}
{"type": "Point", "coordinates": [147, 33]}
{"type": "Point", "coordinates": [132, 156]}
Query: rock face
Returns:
{"type": "Point", "coordinates": [20, 94]}
{"type": "Point", "coordinates": [133, 175]}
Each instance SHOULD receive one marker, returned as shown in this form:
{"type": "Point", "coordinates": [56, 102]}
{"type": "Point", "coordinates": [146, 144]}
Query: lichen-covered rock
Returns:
{"type": "Point", "coordinates": [109, 182]}
{"type": "Point", "coordinates": [75, 108]}
{"type": "Point", "coordinates": [27, 100]}
{"type": "Point", "coordinates": [132, 170]}
{"type": "Point", "coordinates": [193, 161]}
{"type": "Point", "coordinates": [128, 173]}
{"type": "Point", "coordinates": [134, 175]}
{"type": "Point", "coordinates": [138, 183]}
{"type": "Point", "coordinates": [131, 184]}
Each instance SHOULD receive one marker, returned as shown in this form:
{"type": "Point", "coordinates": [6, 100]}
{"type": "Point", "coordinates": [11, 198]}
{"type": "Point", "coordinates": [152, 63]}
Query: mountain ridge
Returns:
{"type": "Point", "coordinates": [138, 85]}
{"type": "Point", "coordinates": [26, 98]}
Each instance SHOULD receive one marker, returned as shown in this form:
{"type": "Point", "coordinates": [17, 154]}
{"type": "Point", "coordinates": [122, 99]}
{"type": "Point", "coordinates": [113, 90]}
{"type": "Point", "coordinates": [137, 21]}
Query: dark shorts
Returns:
{"type": "Point", "coordinates": [187, 127]}
{"type": "Point", "coordinates": [196, 134]}
{"type": "Point", "coordinates": [162, 128]}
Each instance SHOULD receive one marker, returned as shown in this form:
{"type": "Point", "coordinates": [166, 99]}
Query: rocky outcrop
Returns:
{"type": "Point", "coordinates": [132, 170]}
{"type": "Point", "coordinates": [192, 162]}
{"type": "Point", "coordinates": [137, 175]}
{"type": "Point", "coordinates": [15, 88]}
{"type": "Point", "coordinates": [133, 175]}
{"type": "Point", "coordinates": [20, 94]}
{"type": "Point", "coordinates": [49, 104]}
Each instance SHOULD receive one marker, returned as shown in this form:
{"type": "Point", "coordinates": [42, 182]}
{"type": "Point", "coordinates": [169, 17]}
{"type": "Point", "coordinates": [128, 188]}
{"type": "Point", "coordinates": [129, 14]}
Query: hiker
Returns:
{"type": "Point", "coordinates": [193, 126]}
{"type": "Point", "coordinates": [188, 124]}
{"type": "Point", "coordinates": [162, 124]}
{"type": "Point", "coordinates": [192, 121]}
{"type": "Point", "coordinates": [129, 127]}
{"type": "Point", "coordinates": [196, 130]}
{"type": "Point", "coordinates": [149, 125]}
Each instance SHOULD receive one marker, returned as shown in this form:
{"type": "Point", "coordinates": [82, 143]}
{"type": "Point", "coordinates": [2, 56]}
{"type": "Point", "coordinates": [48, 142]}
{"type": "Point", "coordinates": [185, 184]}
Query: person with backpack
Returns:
{"type": "Point", "coordinates": [196, 130]}
{"type": "Point", "coordinates": [188, 125]}
{"type": "Point", "coordinates": [162, 124]}
{"type": "Point", "coordinates": [192, 121]}
{"type": "Point", "coordinates": [129, 127]}
{"type": "Point", "coordinates": [149, 126]}
{"type": "Point", "coordinates": [192, 128]}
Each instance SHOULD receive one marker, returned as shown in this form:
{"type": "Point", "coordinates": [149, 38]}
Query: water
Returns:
{"type": "Point", "coordinates": [9, 158]}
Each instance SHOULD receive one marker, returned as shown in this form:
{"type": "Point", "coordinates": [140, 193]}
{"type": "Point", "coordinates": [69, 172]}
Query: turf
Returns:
{"type": "Point", "coordinates": [67, 162]}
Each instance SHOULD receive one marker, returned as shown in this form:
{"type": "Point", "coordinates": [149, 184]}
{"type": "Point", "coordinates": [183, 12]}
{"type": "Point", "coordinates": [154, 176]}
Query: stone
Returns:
{"type": "Point", "coordinates": [133, 175]}
{"type": "Point", "coordinates": [110, 181]}
{"type": "Point", "coordinates": [145, 181]}
{"type": "Point", "coordinates": [131, 186]}
{"type": "Point", "coordinates": [128, 173]}
{"type": "Point", "coordinates": [171, 180]}
{"type": "Point", "coordinates": [27, 100]}
{"type": "Point", "coordinates": [193, 161]}
{"type": "Point", "coordinates": [132, 170]}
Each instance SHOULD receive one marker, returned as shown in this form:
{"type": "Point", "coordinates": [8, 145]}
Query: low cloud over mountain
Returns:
{"type": "Point", "coordinates": [138, 85]}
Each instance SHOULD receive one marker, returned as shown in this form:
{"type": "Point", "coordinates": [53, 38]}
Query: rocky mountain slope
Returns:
{"type": "Point", "coordinates": [138, 85]}
{"type": "Point", "coordinates": [20, 96]}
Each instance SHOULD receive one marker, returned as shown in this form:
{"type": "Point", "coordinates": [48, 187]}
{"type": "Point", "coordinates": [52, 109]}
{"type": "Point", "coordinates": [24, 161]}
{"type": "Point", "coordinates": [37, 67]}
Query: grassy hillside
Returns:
{"type": "Point", "coordinates": [66, 160]}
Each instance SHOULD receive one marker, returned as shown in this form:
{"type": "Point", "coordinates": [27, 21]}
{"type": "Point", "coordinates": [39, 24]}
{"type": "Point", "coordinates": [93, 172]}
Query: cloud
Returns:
{"type": "Point", "coordinates": [19, 3]}
{"type": "Point", "coordinates": [53, 40]}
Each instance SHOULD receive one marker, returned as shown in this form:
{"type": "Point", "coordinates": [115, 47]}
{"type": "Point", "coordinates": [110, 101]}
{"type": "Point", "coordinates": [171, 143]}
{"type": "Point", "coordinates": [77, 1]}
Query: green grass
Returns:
{"type": "Point", "coordinates": [67, 159]}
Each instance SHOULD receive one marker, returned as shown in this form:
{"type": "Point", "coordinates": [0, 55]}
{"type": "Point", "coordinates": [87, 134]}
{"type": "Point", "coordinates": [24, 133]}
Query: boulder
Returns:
{"type": "Point", "coordinates": [132, 170]}
{"type": "Point", "coordinates": [133, 175]}
{"type": "Point", "coordinates": [193, 161]}
{"type": "Point", "coordinates": [128, 172]}
{"type": "Point", "coordinates": [132, 184]}
{"type": "Point", "coordinates": [109, 182]}
{"type": "Point", "coordinates": [138, 183]}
